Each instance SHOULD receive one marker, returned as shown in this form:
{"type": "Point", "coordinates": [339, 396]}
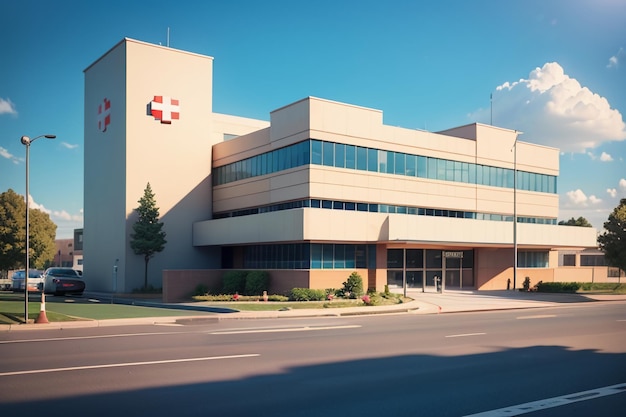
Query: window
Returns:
{"type": "Point", "coordinates": [361, 158]}
{"type": "Point", "coordinates": [415, 258]}
{"type": "Point", "coordinates": [350, 156]}
{"type": "Point", "coordinates": [411, 167]}
{"type": "Point", "coordinates": [569, 260]}
{"type": "Point", "coordinates": [395, 258]}
{"type": "Point", "coordinates": [328, 155]}
{"type": "Point", "coordinates": [400, 163]}
{"type": "Point", "coordinates": [592, 260]}
{"type": "Point", "coordinates": [340, 155]}
{"type": "Point", "coordinates": [372, 160]}
{"type": "Point", "coordinates": [532, 259]}
{"type": "Point", "coordinates": [316, 152]}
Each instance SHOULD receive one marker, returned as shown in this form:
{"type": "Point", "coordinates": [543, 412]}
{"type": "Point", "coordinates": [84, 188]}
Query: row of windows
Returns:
{"type": "Point", "coordinates": [309, 256]}
{"type": "Point", "coordinates": [380, 208]}
{"type": "Point", "coordinates": [431, 258]}
{"type": "Point", "coordinates": [340, 155]}
{"type": "Point", "coordinates": [585, 260]}
{"type": "Point", "coordinates": [342, 256]}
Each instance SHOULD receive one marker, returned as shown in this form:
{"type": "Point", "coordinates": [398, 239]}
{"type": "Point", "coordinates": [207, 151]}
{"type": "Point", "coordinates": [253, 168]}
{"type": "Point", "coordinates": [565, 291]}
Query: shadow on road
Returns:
{"type": "Point", "coordinates": [409, 385]}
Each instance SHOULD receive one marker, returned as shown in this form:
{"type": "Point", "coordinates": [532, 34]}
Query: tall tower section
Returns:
{"type": "Point", "coordinates": [148, 119]}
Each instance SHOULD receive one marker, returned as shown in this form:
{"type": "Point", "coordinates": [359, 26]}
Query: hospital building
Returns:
{"type": "Point", "coordinates": [317, 191]}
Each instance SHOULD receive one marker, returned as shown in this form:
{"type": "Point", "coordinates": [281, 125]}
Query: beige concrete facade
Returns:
{"type": "Point", "coordinates": [180, 160]}
{"type": "Point", "coordinates": [136, 149]}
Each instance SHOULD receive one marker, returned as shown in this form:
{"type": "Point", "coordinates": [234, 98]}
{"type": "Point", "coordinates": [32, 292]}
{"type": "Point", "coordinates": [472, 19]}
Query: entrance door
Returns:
{"type": "Point", "coordinates": [433, 280]}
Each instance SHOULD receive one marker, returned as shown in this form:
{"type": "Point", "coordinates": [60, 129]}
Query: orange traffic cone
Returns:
{"type": "Point", "coordinates": [42, 312]}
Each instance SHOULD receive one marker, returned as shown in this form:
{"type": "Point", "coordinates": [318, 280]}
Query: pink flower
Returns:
{"type": "Point", "coordinates": [236, 297]}
{"type": "Point", "coordinates": [330, 297]}
{"type": "Point", "coordinates": [366, 299]}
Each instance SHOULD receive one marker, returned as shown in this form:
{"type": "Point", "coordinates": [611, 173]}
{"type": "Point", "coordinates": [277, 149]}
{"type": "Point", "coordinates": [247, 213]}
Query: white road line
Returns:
{"type": "Point", "coordinates": [539, 316]}
{"type": "Point", "coordinates": [55, 339]}
{"type": "Point", "coordinates": [531, 407]}
{"type": "Point", "coordinates": [121, 365]}
{"type": "Point", "coordinates": [466, 334]}
{"type": "Point", "coordinates": [287, 329]}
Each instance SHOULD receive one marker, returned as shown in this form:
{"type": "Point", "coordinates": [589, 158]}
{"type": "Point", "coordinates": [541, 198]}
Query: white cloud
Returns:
{"type": "Point", "coordinates": [555, 110]}
{"type": "Point", "coordinates": [32, 204]}
{"type": "Point", "coordinates": [8, 155]}
{"type": "Point", "coordinates": [622, 185]}
{"type": "Point", "coordinates": [578, 198]}
{"type": "Point", "coordinates": [68, 145]}
{"type": "Point", "coordinates": [605, 157]}
{"type": "Point", "coordinates": [614, 61]}
{"type": "Point", "coordinates": [7, 107]}
{"type": "Point", "coordinates": [594, 200]}
{"type": "Point", "coordinates": [64, 215]}
{"type": "Point", "coordinates": [612, 192]}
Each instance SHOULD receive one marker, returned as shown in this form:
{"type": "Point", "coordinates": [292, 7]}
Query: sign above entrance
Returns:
{"type": "Point", "coordinates": [457, 254]}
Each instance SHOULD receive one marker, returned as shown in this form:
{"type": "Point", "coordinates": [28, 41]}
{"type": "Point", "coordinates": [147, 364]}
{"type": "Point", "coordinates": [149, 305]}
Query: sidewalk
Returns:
{"type": "Point", "coordinates": [423, 303]}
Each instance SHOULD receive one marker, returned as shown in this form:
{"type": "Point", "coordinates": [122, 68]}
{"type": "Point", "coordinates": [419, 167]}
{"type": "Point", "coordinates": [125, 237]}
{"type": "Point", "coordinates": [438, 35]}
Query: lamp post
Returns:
{"type": "Point", "coordinates": [514, 149]}
{"type": "Point", "coordinates": [26, 141]}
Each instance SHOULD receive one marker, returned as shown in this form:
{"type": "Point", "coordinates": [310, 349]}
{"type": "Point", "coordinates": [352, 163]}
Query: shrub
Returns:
{"type": "Point", "coordinates": [201, 289]}
{"type": "Point", "coordinates": [256, 282]}
{"type": "Point", "coordinates": [558, 286]}
{"type": "Point", "coordinates": [307, 294]}
{"type": "Point", "coordinates": [353, 287]}
{"type": "Point", "coordinates": [234, 282]}
{"type": "Point", "coordinates": [526, 284]}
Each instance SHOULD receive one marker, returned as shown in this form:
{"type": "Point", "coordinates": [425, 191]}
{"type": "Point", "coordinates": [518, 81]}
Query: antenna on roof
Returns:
{"type": "Point", "coordinates": [168, 37]}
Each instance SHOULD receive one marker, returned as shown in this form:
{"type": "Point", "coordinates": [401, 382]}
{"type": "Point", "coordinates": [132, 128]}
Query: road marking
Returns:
{"type": "Point", "coordinates": [121, 365]}
{"type": "Point", "coordinates": [54, 339]}
{"type": "Point", "coordinates": [466, 334]}
{"type": "Point", "coordinates": [287, 329]}
{"type": "Point", "coordinates": [533, 406]}
{"type": "Point", "coordinates": [539, 316]}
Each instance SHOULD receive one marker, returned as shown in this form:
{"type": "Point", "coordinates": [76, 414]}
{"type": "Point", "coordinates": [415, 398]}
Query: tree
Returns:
{"type": "Point", "coordinates": [149, 238]}
{"type": "Point", "coordinates": [613, 241]}
{"type": "Point", "coordinates": [580, 222]}
{"type": "Point", "coordinates": [42, 232]}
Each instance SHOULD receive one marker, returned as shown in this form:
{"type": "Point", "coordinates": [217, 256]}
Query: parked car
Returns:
{"type": "Point", "coordinates": [61, 281]}
{"type": "Point", "coordinates": [35, 280]}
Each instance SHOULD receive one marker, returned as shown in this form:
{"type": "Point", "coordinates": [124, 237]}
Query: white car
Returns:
{"type": "Point", "coordinates": [35, 280]}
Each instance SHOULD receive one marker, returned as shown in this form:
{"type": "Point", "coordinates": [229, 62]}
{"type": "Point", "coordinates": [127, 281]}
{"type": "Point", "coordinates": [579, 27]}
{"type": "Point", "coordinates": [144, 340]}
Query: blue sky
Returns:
{"type": "Point", "coordinates": [556, 70]}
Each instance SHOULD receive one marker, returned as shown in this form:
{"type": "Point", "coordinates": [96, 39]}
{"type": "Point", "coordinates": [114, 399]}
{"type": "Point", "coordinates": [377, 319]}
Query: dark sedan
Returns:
{"type": "Point", "coordinates": [61, 281]}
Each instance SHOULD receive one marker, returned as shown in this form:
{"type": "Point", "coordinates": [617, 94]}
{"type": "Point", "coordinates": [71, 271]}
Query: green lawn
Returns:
{"type": "Point", "coordinates": [70, 309]}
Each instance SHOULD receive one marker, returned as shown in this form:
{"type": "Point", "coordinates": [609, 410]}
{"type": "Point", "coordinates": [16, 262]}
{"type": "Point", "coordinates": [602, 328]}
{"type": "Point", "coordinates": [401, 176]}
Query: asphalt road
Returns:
{"type": "Point", "coordinates": [393, 365]}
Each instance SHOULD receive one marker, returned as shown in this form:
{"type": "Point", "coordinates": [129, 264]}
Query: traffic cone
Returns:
{"type": "Point", "coordinates": [41, 318]}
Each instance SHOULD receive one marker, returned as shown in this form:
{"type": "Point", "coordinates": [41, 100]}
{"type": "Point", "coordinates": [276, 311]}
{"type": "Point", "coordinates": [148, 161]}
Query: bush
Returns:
{"type": "Point", "coordinates": [558, 286]}
{"type": "Point", "coordinates": [234, 282]}
{"type": "Point", "coordinates": [307, 294]}
{"type": "Point", "coordinates": [256, 282]}
{"type": "Point", "coordinates": [201, 289]}
{"type": "Point", "coordinates": [353, 287]}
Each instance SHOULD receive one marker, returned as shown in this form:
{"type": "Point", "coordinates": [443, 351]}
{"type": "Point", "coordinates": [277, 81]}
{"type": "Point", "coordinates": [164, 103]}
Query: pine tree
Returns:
{"type": "Point", "coordinates": [613, 240]}
{"type": "Point", "coordinates": [149, 238]}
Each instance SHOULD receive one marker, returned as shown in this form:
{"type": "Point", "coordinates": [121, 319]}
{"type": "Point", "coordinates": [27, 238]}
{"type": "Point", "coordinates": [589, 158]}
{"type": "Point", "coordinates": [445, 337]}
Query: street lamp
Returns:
{"type": "Point", "coordinates": [26, 141]}
{"type": "Point", "coordinates": [514, 149]}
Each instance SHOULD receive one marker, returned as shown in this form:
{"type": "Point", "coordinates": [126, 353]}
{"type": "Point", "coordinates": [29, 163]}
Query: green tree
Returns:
{"type": "Point", "coordinates": [613, 241]}
{"type": "Point", "coordinates": [580, 222]}
{"type": "Point", "coordinates": [149, 238]}
{"type": "Point", "coordinates": [42, 232]}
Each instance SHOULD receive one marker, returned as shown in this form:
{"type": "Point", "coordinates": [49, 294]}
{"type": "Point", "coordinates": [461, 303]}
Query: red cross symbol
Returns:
{"type": "Point", "coordinates": [165, 109]}
{"type": "Point", "coordinates": [104, 115]}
